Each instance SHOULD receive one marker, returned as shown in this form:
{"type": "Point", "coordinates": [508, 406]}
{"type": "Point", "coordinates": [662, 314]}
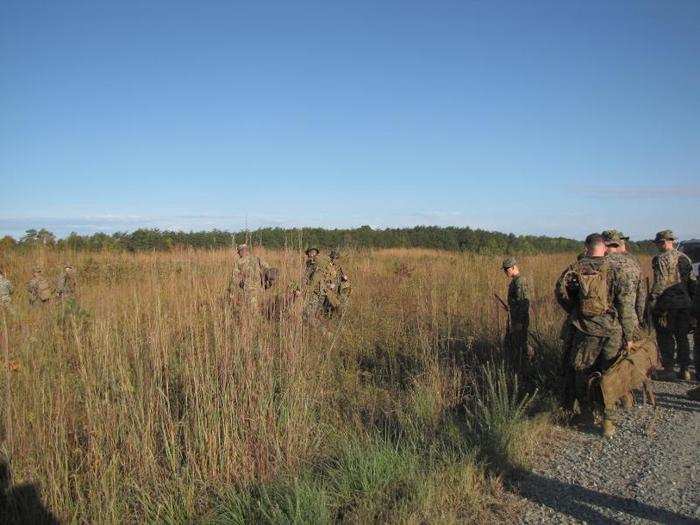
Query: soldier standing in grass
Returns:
{"type": "Point", "coordinates": [670, 303]}
{"type": "Point", "coordinates": [591, 293]}
{"type": "Point", "coordinates": [66, 284]}
{"type": "Point", "coordinates": [518, 310]}
{"type": "Point", "coordinates": [247, 278]}
{"type": "Point", "coordinates": [628, 270]}
{"type": "Point", "coordinates": [39, 288]}
{"type": "Point", "coordinates": [319, 277]}
{"type": "Point", "coordinates": [341, 281]}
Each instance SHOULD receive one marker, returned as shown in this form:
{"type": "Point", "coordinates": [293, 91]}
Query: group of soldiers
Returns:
{"type": "Point", "coordinates": [323, 292]}
{"type": "Point", "coordinates": [609, 308]}
{"type": "Point", "coordinates": [40, 289]}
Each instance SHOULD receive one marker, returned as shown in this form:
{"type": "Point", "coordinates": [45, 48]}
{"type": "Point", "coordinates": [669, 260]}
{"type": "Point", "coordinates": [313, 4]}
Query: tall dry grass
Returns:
{"type": "Point", "coordinates": [154, 400]}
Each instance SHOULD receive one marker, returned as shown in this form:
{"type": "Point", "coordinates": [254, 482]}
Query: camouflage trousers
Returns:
{"type": "Point", "coordinates": [589, 354]}
{"type": "Point", "coordinates": [672, 329]}
{"type": "Point", "coordinates": [517, 346]}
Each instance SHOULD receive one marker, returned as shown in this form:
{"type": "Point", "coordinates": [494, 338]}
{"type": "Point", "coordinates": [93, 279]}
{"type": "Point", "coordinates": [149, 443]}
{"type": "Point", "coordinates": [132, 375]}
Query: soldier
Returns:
{"type": "Point", "coordinates": [341, 281]}
{"type": "Point", "coordinates": [5, 289]}
{"type": "Point", "coordinates": [311, 256]}
{"type": "Point", "coordinates": [247, 277]}
{"type": "Point", "coordinates": [591, 293]}
{"type": "Point", "coordinates": [320, 284]}
{"type": "Point", "coordinates": [670, 304]}
{"type": "Point", "coordinates": [628, 270]}
{"type": "Point", "coordinates": [39, 288]}
{"type": "Point", "coordinates": [66, 284]}
{"type": "Point", "coordinates": [518, 311]}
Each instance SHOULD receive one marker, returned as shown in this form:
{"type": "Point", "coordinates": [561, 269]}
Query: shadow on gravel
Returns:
{"type": "Point", "coordinates": [578, 502]}
{"type": "Point", "coordinates": [676, 402]}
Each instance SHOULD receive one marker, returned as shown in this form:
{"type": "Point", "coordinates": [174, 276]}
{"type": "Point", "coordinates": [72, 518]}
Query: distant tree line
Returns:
{"type": "Point", "coordinates": [442, 238]}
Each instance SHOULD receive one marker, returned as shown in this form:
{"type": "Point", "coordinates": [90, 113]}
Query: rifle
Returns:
{"type": "Point", "coordinates": [502, 302]}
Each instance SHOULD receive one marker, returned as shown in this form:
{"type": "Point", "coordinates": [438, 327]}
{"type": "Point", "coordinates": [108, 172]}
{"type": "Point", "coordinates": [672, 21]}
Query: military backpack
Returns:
{"type": "Point", "coordinates": [593, 289]}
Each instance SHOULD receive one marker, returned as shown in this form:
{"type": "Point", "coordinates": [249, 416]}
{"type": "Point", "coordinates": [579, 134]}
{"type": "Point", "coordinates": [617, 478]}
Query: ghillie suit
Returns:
{"type": "Point", "coordinates": [631, 371]}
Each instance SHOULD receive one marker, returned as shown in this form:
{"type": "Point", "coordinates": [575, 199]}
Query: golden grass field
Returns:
{"type": "Point", "coordinates": [154, 401]}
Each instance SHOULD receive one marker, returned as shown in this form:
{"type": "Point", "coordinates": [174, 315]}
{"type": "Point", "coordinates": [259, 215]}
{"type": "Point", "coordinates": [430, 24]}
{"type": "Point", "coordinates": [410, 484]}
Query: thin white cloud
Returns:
{"type": "Point", "coordinates": [639, 192]}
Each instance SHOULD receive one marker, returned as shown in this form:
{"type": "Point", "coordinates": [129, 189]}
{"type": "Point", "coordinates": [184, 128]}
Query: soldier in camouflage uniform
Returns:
{"type": "Point", "coordinates": [320, 284]}
{"type": "Point", "coordinates": [39, 288]}
{"type": "Point", "coordinates": [601, 314]}
{"type": "Point", "coordinates": [518, 311]}
{"type": "Point", "coordinates": [670, 303]}
{"type": "Point", "coordinates": [66, 284]}
{"type": "Point", "coordinates": [341, 287]}
{"type": "Point", "coordinates": [247, 278]}
{"type": "Point", "coordinates": [310, 266]}
{"type": "Point", "coordinates": [5, 289]}
{"type": "Point", "coordinates": [628, 270]}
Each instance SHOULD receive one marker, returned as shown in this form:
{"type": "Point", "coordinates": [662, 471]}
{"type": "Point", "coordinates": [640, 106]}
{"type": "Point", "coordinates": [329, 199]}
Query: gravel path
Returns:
{"type": "Point", "coordinates": [648, 473]}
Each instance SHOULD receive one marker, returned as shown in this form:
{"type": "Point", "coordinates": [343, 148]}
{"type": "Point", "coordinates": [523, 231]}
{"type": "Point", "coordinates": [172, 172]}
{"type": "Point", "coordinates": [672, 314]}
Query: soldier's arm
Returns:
{"type": "Point", "coordinates": [641, 302]}
{"type": "Point", "coordinates": [658, 279]}
{"type": "Point", "coordinates": [623, 300]}
{"type": "Point", "coordinates": [561, 292]}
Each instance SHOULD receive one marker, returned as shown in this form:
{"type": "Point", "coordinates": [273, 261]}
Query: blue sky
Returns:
{"type": "Point", "coordinates": [527, 117]}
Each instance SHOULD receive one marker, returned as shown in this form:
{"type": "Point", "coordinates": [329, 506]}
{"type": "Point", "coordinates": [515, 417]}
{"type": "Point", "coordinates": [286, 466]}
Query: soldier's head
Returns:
{"type": "Point", "coordinates": [242, 250]}
{"type": "Point", "coordinates": [664, 240]}
{"type": "Point", "coordinates": [595, 245]}
{"type": "Point", "coordinates": [68, 268]}
{"type": "Point", "coordinates": [270, 277]}
{"type": "Point", "coordinates": [334, 255]}
{"type": "Point", "coordinates": [37, 270]}
{"type": "Point", "coordinates": [510, 267]}
{"type": "Point", "coordinates": [311, 252]}
{"type": "Point", "coordinates": [615, 241]}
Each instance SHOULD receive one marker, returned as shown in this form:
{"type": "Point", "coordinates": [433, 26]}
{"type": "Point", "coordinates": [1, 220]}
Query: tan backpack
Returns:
{"type": "Point", "coordinates": [594, 293]}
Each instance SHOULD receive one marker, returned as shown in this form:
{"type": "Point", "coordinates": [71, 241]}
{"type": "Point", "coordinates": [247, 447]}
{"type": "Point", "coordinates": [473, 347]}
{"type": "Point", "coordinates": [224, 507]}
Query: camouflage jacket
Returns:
{"type": "Point", "coordinates": [673, 284]}
{"type": "Point", "coordinates": [5, 290]}
{"type": "Point", "coordinates": [39, 289]}
{"type": "Point", "coordinates": [519, 301]}
{"type": "Point", "coordinates": [341, 280]}
{"type": "Point", "coordinates": [321, 277]}
{"type": "Point", "coordinates": [630, 274]}
{"type": "Point", "coordinates": [620, 314]}
{"type": "Point", "coordinates": [247, 274]}
{"type": "Point", "coordinates": [66, 285]}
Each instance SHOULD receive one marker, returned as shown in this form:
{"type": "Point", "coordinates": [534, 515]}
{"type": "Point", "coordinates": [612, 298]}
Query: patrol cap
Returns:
{"type": "Point", "coordinates": [613, 237]}
{"type": "Point", "coordinates": [241, 247]}
{"type": "Point", "coordinates": [665, 235]}
{"type": "Point", "coordinates": [311, 249]}
{"type": "Point", "coordinates": [509, 263]}
{"type": "Point", "coordinates": [594, 238]}
{"type": "Point", "coordinates": [37, 269]}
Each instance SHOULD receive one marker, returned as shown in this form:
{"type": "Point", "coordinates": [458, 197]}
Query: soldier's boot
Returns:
{"type": "Point", "coordinates": [684, 374]}
{"type": "Point", "coordinates": [628, 401]}
{"type": "Point", "coordinates": [694, 394]}
{"type": "Point", "coordinates": [608, 428]}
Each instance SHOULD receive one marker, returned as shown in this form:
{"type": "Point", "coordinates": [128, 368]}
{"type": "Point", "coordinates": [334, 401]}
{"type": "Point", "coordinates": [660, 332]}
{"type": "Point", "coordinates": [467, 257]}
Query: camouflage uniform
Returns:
{"type": "Point", "coordinates": [247, 279]}
{"type": "Point", "coordinates": [630, 274]}
{"type": "Point", "coordinates": [670, 301]}
{"type": "Point", "coordinates": [66, 284]}
{"type": "Point", "coordinates": [5, 290]}
{"type": "Point", "coordinates": [595, 340]}
{"type": "Point", "coordinates": [319, 284]}
{"type": "Point", "coordinates": [341, 287]}
{"type": "Point", "coordinates": [519, 315]}
{"type": "Point", "coordinates": [39, 289]}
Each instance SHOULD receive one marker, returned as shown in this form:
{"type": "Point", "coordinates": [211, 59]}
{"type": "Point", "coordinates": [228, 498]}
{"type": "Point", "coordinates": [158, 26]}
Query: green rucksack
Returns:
{"type": "Point", "coordinates": [594, 293]}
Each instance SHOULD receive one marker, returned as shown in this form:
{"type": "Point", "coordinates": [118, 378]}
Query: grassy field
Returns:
{"type": "Point", "coordinates": [155, 401]}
